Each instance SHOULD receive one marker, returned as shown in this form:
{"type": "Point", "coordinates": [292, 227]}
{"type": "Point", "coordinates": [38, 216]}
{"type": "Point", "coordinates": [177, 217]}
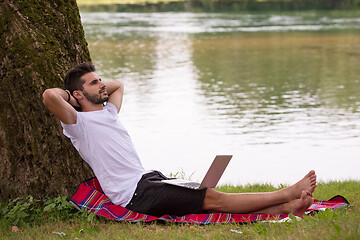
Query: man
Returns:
{"type": "Point", "coordinates": [105, 145]}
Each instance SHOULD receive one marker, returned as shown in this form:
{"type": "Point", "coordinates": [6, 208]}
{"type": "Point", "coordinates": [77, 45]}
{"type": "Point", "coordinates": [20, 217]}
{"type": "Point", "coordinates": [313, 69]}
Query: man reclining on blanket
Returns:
{"type": "Point", "coordinates": [102, 141]}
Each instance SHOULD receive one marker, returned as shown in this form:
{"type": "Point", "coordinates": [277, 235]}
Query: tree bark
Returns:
{"type": "Point", "coordinates": [40, 40]}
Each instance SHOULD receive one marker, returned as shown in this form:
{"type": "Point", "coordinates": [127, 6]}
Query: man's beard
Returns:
{"type": "Point", "coordinates": [96, 99]}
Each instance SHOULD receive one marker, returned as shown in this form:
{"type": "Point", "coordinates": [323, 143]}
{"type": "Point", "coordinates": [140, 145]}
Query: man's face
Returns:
{"type": "Point", "coordinates": [94, 90]}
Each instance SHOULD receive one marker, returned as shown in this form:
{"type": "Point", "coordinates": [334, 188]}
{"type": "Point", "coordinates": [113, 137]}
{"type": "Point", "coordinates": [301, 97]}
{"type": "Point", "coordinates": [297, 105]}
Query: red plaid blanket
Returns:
{"type": "Point", "coordinates": [90, 197]}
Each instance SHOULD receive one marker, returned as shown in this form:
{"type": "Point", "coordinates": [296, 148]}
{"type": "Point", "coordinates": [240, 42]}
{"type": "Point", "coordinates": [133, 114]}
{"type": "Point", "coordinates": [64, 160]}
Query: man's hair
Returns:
{"type": "Point", "coordinates": [73, 79]}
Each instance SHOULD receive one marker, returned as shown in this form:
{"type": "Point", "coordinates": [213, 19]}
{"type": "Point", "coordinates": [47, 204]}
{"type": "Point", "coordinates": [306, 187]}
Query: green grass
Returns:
{"type": "Point", "coordinates": [60, 221]}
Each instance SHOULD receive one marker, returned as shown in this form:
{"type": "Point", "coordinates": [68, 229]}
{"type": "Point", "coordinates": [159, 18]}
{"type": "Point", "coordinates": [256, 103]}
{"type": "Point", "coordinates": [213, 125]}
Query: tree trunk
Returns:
{"type": "Point", "coordinates": [40, 40]}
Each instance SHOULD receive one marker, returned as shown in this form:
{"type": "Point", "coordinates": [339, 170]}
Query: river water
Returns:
{"type": "Point", "coordinates": [277, 90]}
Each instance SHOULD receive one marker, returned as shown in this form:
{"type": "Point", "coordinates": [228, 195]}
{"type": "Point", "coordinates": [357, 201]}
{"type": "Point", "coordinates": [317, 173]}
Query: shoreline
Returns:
{"type": "Point", "coordinates": [85, 3]}
{"type": "Point", "coordinates": [211, 6]}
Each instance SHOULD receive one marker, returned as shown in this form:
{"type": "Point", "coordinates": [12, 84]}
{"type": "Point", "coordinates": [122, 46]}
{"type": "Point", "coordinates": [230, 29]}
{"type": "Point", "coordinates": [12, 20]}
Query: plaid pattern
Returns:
{"type": "Point", "coordinates": [90, 197]}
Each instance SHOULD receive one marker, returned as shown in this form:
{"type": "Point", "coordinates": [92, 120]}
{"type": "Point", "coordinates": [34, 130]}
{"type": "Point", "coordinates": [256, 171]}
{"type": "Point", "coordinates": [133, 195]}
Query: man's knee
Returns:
{"type": "Point", "coordinates": [213, 200]}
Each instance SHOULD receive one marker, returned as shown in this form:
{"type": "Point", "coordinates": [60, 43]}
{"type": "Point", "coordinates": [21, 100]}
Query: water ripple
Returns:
{"type": "Point", "coordinates": [190, 23]}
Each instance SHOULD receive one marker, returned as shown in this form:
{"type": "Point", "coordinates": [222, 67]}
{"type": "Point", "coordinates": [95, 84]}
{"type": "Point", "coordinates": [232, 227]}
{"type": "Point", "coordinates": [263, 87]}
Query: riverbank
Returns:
{"type": "Point", "coordinates": [61, 223]}
{"type": "Point", "coordinates": [213, 6]}
{"type": "Point", "coordinates": [109, 2]}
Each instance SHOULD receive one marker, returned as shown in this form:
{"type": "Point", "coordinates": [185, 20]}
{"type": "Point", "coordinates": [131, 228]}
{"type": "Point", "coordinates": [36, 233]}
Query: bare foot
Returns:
{"type": "Point", "coordinates": [307, 183]}
{"type": "Point", "coordinates": [299, 206]}
{"type": "Point", "coordinates": [296, 206]}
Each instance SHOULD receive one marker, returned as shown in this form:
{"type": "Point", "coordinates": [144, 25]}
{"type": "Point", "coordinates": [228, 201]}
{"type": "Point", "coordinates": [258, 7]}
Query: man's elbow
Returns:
{"type": "Point", "coordinates": [48, 94]}
{"type": "Point", "coordinates": [120, 85]}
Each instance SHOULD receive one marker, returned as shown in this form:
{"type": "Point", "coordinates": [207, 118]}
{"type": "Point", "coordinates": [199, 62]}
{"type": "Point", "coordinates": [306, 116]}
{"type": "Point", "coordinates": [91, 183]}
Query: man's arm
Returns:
{"type": "Point", "coordinates": [115, 91]}
{"type": "Point", "coordinates": [55, 99]}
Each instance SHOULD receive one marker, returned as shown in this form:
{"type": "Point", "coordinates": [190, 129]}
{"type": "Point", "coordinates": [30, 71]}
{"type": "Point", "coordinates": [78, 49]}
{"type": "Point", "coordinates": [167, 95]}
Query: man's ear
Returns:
{"type": "Point", "coordinates": [78, 95]}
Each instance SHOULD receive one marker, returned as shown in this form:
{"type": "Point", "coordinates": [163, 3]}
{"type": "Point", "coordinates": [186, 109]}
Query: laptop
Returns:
{"type": "Point", "coordinates": [211, 178]}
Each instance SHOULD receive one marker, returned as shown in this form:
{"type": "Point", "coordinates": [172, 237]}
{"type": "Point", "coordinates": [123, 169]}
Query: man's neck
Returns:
{"type": "Point", "coordinates": [92, 107]}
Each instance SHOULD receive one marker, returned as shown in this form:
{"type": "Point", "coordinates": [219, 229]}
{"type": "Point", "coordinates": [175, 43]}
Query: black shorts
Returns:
{"type": "Point", "coordinates": [156, 198]}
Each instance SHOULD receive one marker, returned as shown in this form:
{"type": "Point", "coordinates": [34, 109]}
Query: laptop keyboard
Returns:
{"type": "Point", "coordinates": [193, 185]}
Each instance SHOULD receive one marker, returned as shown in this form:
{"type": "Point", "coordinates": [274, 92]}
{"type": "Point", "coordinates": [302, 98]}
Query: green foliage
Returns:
{"type": "Point", "coordinates": [30, 211]}
{"type": "Point", "coordinates": [58, 208]}
{"type": "Point", "coordinates": [20, 211]}
{"type": "Point", "coordinates": [249, 188]}
{"type": "Point", "coordinates": [261, 228]}
{"type": "Point", "coordinates": [181, 175]}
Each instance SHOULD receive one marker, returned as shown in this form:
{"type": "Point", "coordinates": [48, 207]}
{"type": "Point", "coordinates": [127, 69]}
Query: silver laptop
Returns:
{"type": "Point", "coordinates": [211, 178]}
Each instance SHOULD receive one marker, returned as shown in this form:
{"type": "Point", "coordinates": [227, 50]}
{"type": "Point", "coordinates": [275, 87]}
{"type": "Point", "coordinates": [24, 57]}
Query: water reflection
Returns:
{"type": "Point", "coordinates": [278, 74]}
{"type": "Point", "coordinates": [279, 91]}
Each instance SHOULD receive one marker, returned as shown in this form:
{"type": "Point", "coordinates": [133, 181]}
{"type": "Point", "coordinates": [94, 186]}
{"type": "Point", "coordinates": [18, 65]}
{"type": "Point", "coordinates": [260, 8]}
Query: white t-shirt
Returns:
{"type": "Point", "coordinates": [105, 145]}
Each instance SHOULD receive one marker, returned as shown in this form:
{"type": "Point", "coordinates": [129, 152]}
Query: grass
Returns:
{"type": "Point", "coordinates": [60, 221]}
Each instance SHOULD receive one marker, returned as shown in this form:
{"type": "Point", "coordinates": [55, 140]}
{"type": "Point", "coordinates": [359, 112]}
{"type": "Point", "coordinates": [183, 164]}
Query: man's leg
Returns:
{"type": "Point", "coordinates": [254, 202]}
{"type": "Point", "coordinates": [297, 206]}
